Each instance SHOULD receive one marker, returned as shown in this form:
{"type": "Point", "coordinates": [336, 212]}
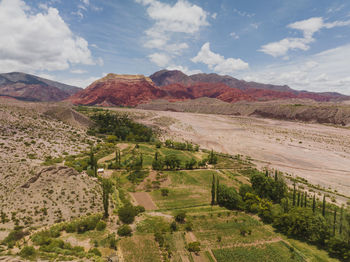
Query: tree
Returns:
{"type": "Point", "coordinates": [180, 217]}
{"type": "Point", "coordinates": [244, 189]}
{"type": "Point", "coordinates": [314, 203]}
{"type": "Point", "coordinates": [164, 192]}
{"type": "Point", "coordinates": [304, 224]}
{"type": "Point", "coordinates": [157, 163]}
{"type": "Point", "coordinates": [229, 198]}
{"type": "Point", "coordinates": [127, 214]}
{"type": "Point", "coordinates": [190, 163]}
{"type": "Point", "coordinates": [298, 202]}
{"type": "Point", "coordinates": [341, 220]}
{"type": "Point", "coordinates": [106, 190]}
{"type": "Point", "coordinates": [302, 199]}
{"type": "Point", "coordinates": [124, 230]}
{"type": "Point", "coordinates": [276, 175]}
{"type": "Point", "coordinates": [294, 192]}
{"type": "Point", "coordinates": [305, 200]}
{"type": "Point", "coordinates": [217, 189]}
{"type": "Point", "coordinates": [324, 205]}
{"type": "Point", "coordinates": [334, 220]}
{"type": "Point", "coordinates": [266, 173]}
{"type": "Point", "coordinates": [91, 161]}
{"type": "Point", "coordinates": [172, 162]}
{"type": "Point", "coordinates": [213, 189]}
{"type": "Point", "coordinates": [212, 159]}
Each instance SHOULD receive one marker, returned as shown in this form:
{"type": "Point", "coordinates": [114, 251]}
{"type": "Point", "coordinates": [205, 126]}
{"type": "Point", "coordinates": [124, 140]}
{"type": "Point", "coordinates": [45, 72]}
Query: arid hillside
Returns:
{"type": "Point", "coordinates": [33, 138]}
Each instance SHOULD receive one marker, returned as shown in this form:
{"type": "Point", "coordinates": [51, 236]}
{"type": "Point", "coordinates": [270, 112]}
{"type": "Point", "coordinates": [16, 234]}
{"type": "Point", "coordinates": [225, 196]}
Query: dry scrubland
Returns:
{"type": "Point", "coordinates": [316, 152]}
{"type": "Point", "coordinates": [30, 193]}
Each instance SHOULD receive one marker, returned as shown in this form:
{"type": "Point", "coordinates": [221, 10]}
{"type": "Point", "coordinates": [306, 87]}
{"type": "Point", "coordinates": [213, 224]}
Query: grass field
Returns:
{"type": "Point", "coordinates": [274, 252]}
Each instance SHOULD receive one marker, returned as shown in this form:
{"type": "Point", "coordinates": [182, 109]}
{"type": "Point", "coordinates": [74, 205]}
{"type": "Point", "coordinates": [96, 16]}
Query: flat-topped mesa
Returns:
{"type": "Point", "coordinates": [125, 78]}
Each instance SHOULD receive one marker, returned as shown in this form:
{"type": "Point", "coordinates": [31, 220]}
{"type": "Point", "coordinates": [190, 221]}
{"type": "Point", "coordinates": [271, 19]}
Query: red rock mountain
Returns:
{"type": "Point", "coordinates": [32, 88]}
{"type": "Point", "coordinates": [132, 90]}
{"type": "Point", "coordinates": [124, 90]}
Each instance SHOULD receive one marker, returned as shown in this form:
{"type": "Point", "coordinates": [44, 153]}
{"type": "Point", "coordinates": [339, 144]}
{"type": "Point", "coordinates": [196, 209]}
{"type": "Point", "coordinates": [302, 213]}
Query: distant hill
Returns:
{"type": "Point", "coordinates": [133, 90]}
{"type": "Point", "coordinates": [33, 88]}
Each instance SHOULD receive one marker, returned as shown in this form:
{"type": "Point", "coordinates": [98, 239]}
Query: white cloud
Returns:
{"type": "Point", "coordinates": [243, 14]}
{"type": "Point", "coordinates": [184, 69]}
{"type": "Point", "coordinates": [41, 41]}
{"type": "Point", "coordinates": [78, 71]}
{"type": "Point", "coordinates": [160, 59]}
{"type": "Point", "coordinates": [322, 72]}
{"type": "Point", "coordinates": [173, 23]}
{"type": "Point", "coordinates": [234, 35]}
{"type": "Point", "coordinates": [80, 82]}
{"type": "Point", "coordinates": [308, 27]}
{"type": "Point", "coordinates": [183, 17]}
{"type": "Point", "coordinates": [214, 15]}
{"type": "Point", "coordinates": [217, 62]}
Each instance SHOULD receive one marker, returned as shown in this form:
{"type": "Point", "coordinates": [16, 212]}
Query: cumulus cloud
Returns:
{"type": "Point", "coordinates": [173, 23]}
{"type": "Point", "coordinates": [325, 71]}
{"type": "Point", "coordinates": [184, 69]}
{"type": "Point", "coordinates": [308, 27]}
{"type": "Point", "coordinates": [217, 62]}
{"type": "Point", "coordinates": [41, 41]}
{"type": "Point", "coordinates": [160, 59]}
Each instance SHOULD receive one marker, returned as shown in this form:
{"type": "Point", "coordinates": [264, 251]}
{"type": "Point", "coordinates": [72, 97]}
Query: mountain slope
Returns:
{"type": "Point", "coordinates": [33, 88]}
{"type": "Point", "coordinates": [133, 90]}
{"type": "Point", "coordinates": [124, 90]}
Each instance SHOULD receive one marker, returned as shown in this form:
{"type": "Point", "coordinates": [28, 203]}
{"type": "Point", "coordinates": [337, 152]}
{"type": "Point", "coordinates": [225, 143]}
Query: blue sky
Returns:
{"type": "Point", "coordinates": [302, 43]}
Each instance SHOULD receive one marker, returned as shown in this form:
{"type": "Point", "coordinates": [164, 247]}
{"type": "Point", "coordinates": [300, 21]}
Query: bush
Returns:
{"type": "Point", "coordinates": [27, 252]}
{"type": "Point", "coordinates": [95, 251]}
{"type": "Point", "coordinates": [124, 230]}
{"type": "Point", "coordinates": [158, 237]}
{"type": "Point", "coordinates": [139, 209]}
{"type": "Point", "coordinates": [101, 225]}
{"type": "Point", "coordinates": [127, 214]}
{"type": "Point", "coordinates": [229, 198]}
{"type": "Point", "coordinates": [194, 247]}
{"type": "Point", "coordinates": [180, 217]}
{"type": "Point", "coordinates": [16, 234]}
{"type": "Point", "coordinates": [164, 192]}
{"type": "Point", "coordinates": [173, 226]}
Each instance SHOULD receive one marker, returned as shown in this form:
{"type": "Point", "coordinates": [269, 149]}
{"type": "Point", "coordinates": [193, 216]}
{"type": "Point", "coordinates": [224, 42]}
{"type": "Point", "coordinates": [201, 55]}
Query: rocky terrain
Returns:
{"type": "Point", "coordinates": [32, 88]}
{"type": "Point", "coordinates": [295, 110]}
{"type": "Point", "coordinates": [132, 90]}
{"type": "Point", "coordinates": [33, 138]}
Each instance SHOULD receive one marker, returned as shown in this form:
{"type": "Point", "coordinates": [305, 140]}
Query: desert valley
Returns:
{"type": "Point", "coordinates": [172, 168]}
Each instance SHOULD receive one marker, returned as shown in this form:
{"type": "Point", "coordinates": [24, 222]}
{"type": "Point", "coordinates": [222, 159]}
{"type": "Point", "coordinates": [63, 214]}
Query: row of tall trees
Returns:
{"type": "Point", "coordinates": [269, 198]}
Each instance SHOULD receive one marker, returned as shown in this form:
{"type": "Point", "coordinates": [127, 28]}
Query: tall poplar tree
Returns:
{"type": "Point", "coordinates": [213, 188]}
{"type": "Point", "coordinates": [324, 206]}
{"type": "Point", "coordinates": [294, 192]}
{"type": "Point", "coordinates": [314, 203]}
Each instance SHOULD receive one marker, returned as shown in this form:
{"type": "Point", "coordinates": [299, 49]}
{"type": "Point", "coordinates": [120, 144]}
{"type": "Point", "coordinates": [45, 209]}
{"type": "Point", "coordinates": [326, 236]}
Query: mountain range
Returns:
{"type": "Point", "coordinates": [33, 88]}
{"type": "Point", "coordinates": [133, 90]}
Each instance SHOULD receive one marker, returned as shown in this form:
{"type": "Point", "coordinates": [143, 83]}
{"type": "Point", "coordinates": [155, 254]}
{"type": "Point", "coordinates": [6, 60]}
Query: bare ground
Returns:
{"type": "Point", "coordinates": [144, 199]}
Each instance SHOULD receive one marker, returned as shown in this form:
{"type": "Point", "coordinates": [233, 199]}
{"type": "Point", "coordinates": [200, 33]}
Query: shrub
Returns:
{"type": "Point", "coordinates": [127, 214]}
{"type": "Point", "coordinates": [27, 252]}
{"type": "Point", "coordinates": [139, 209]}
{"type": "Point", "coordinates": [101, 225]}
{"type": "Point", "coordinates": [164, 192]}
{"type": "Point", "coordinates": [194, 247]}
{"type": "Point", "coordinates": [180, 217]}
{"type": "Point", "coordinates": [173, 226]}
{"type": "Point", "coordinates": [124, 230]}
{"type": "Point", "coordinates": [158, 237]}
{"type": "Point", "coordinates": [16, 234]}
{"type": "Point", "coordinates": [95, 251]}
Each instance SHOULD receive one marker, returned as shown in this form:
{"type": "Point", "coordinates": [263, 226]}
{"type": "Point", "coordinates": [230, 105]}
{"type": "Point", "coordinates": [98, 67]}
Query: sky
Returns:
{"type": "Point", "coordinates": [301, 43]}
